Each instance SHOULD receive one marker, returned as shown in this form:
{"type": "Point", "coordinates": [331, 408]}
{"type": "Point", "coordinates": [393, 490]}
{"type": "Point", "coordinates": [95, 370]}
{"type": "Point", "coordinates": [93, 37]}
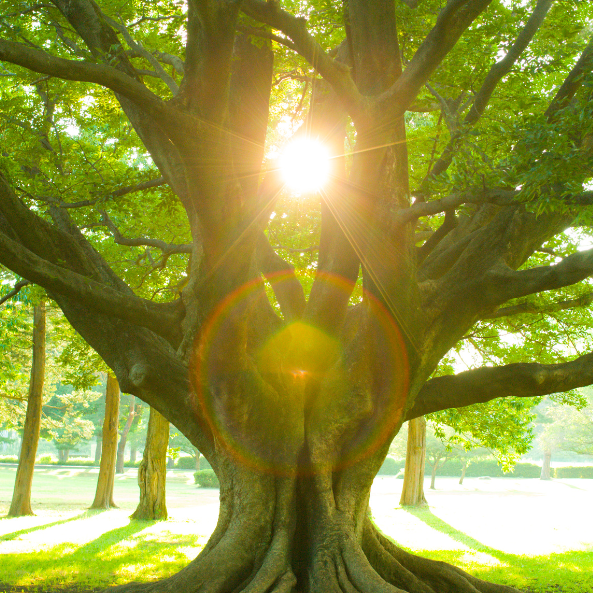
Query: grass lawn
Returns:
{"type": "Point", "coordinates": [531, 534]}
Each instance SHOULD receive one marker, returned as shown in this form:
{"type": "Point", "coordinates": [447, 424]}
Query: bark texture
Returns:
{"type": "Point", "coordinates": [413, 487]}
{"type": "Point", "coordinates": [546, 474]}
{"type": "Point", "coordinates": [21, 498]}
{"type": "Point", "coordinates": [104, 492]}
{"type": "Point", "coordinates": [152, 473]}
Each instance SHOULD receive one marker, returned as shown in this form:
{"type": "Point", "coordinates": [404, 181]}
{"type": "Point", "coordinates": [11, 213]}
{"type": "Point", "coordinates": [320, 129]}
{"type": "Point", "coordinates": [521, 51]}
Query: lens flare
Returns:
{"type": "Point", "coordinates": [305, 165]}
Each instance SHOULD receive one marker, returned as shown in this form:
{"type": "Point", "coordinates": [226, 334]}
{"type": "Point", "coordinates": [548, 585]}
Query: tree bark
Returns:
{"type": "Point", "coordinates": [98, 448]}
{"type": "Point", "coordinates": [152, 472]}
{"type": "Point", "coordinates": [413, 488]}
{"type": "Point", "coordinates": [546, 474]}
{"type": "Point", "coordinates": [433, 474]}
{"type": "Point", "coordinates": [121, 447]}
{"type": "Point", "coordinates": [63, 455]}
{"type": "Point", "coordinates": [21, 497]}
{"type": "Point", "coordinates": [197, 458]}
{"type": "Point", "coordinates": [104, 492]}
{"type": "Point", "coordinates": [463, 470]}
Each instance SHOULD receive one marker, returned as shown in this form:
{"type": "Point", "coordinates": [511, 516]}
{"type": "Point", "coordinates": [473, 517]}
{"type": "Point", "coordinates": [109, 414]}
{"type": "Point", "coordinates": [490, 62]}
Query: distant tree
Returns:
{"type": "Point", "coordinates": [152, 472]}
{"type": "Point", "coordinates": [123, 434]}
{"type": "Point", "coordinates": [413, 486]}
{"type": "Point", "coordinates": [21, 497]}
{"type": "Point", "coordinates": [104, 492]}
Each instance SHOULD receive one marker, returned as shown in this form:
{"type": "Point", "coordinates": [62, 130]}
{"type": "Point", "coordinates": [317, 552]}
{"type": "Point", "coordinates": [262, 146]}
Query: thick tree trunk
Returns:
{"type": "Point", "coordinates": [413, 488]}
{"type": "Point", "coordinates": [546, 474]}
{"type": "Point", "coordinates": [98, 448]}
{"type": "Point", "coordinates": [121, 447]}
{"type": "Point", "coordinates": [104, 492]}
{"type": "Point", "coordinates": [21, 497]}
{"type": "Point", "coordinates": [152, 472]}
{"type": "Point", "coordinates": [463, 470]}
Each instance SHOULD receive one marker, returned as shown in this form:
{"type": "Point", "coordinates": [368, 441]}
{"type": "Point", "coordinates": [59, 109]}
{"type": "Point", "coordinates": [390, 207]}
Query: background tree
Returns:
{"type": "Point", "coordinates": [294, 403]}
{"type": "Point", "coordinates": [21, 497]}
{"type": "Point", "coordinates": [152, 473]}
{"type": "Point", "coordinates": [104, 492]}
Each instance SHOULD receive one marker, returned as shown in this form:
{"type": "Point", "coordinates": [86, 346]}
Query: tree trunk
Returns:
{"type": "Point", "coordinates": [152, 471]}
{"type": "Point", "coordinates": [21, 497]}
{"type": "Point", "coordinates": [413, 488]}
{"type": "Point", "coordinates": [546, 474]}
{"type": "Point", "coordinates": [433, 475]}
{"type": "Point", "coordinates": [63, 455]}
{"type": "Point", "coordinates": [104, 492]}
{"type": "Point", "coordinates": [197, 457]}
{"type": "Point", "coordinates": [98, 448]}
{"type": "Point", "coordinates": [121, 447]}
{"type": "Point", "coordinates": [133, 452]}
{"type": "Point", "coordinates": [170, 463]}
{"type": "Point", "coordinates": [463, 470]}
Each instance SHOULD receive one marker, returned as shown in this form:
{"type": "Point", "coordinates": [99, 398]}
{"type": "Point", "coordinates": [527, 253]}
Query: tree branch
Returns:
{"type": "Point", "coordinates": [583, 301]}
{"type": "Point", "coordinates": [501, 283]}
{"type": "Point", "coordinates": [160, 318]}
{"type": "Point", "coordinates": [487, 383]}
{"type": "Point", "coordinates": [336, 73]}
{"type": "Point", "coordinates": [14, 291]}
{"type": "Point", "coordinates": [452, 21]}
{"type": "Point", "coordinates": [166, 248]}
{"type": "Point", "coordinates": [44, 63]}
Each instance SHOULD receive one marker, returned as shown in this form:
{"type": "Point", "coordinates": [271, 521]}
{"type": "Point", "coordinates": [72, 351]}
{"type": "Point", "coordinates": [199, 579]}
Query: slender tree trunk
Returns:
{"type": "Point", "coordinates": [21, 498]}
{"type": "Point", "coordinates": [433, 475]}
{"type": "Point", "coordinates": [98, 448]}
{"type": "Point", "coordinates": [104, 492]}
{"type": "Point", "coordinates": [63, 455]}
{"type": "Point", "coordinates": [546, 475]}
{"type": "Point", "coordinates": [133, 452]}
{"type": "Point", "coordinates": [170, 463]}
{"type": "Point", "coordinates": [121, 447]}
{"type": "Point", "coordinates": [197, 457]}
{"type": "Point", "coordinates": [413, 488]}
{"type": "Point", "coordinates": [152, 471]}
{"type": "Point", "coordinates": [463, 470]}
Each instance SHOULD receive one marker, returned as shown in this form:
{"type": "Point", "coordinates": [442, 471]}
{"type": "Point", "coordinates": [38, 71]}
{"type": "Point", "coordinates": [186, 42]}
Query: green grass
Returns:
{"type": "Point", "coordinates": [569, 572]}
{"type": "Point", "coordinates": [68, 546]}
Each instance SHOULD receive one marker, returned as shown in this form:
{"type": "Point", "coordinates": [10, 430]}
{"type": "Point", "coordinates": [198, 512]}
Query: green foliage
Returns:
{"type": "Point", "coordinates": [583, 471]}
{"type": "Point", "coordinates": [390, 467]}
{"type": "Point", "coordinates": [206, 478]}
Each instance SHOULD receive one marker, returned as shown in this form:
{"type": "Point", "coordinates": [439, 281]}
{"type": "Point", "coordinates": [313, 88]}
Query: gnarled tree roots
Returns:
{"type": "Point", "coordinates": [269, 539]}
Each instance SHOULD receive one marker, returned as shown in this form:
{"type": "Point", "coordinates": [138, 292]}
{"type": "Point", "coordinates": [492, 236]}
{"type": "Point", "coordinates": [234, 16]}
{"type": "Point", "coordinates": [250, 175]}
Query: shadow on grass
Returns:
{"type": "Point", "coordinates": [569, 572]}
{"type": "Point", "coordinates": [115, 557]}
{"type": "Point", "coordinates": [10, 536]}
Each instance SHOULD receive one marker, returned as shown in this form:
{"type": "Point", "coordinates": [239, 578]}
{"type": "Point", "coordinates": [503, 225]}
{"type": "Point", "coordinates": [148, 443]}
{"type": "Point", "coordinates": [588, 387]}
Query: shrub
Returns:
{"type": "Point", "coordinates": [46, 459]}
{"type": "Point", "coordinates": [206, 478]}
{"type": "Point", "coordinates": [85, 461]}
{"type": "Point", "coordinates": [583, 471]}
{"type": "Point", "coordinates": [187, 463]}
{"type": "Point", "coordinates": [390, 467]}
{"type": "Point", "coordinates": [133, 464]}
{"type": "Point", "coordinates": [9, 459]}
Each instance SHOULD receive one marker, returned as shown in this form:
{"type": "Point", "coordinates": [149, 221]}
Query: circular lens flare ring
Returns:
{"type": "Point", "coordinates": [305, 165]}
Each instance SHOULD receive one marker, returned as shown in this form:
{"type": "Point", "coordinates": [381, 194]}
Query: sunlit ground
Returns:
{"type": "Point", "coordinates": [515, 531]}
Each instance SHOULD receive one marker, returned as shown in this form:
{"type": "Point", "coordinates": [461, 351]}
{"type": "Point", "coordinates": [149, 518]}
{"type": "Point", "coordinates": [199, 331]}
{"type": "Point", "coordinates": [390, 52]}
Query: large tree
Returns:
{"type": "Point", "coordinates": [468, 131]}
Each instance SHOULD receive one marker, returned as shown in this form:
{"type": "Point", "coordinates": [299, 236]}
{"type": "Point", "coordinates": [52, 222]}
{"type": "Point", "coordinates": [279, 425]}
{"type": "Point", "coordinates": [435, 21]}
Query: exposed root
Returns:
{"type": "Point", "coordinates": [423, 575]}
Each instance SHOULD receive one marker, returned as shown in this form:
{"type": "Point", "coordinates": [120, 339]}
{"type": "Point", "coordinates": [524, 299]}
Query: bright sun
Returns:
{"type": "Point", "coordinates": [305, 165]}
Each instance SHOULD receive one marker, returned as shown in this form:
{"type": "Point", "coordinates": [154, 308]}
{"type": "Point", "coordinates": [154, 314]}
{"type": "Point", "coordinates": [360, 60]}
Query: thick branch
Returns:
{"type": "Point", "coordinates": [42, 62]}
{"type": "Point", "coordinates": [501, 283]}
{"type": "Point", "coordinates": [583, 301]}
{"type": "Point", "coordinates": [516, 380]}
{"type": "Point", "coordinates": [333, 71]}
{"type": "Point", "coordinates": [160, 318]}
{"type": "Point", "coordinates": [452, 21]}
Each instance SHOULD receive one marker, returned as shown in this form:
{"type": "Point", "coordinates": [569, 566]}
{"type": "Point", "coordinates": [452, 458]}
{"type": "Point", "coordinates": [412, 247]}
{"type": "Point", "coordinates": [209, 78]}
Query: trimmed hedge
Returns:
{"type": "Point", "coordinates": [584, 471]}
{"type": "Point", "coordinates": [487, 467]}
{"type": "Point", "coordinates": [206, 478]}
{"type": "Point", "coordinates": [190, 463]}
